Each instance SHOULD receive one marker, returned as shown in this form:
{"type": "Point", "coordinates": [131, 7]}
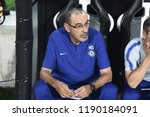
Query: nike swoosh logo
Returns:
{"type": "Point", "coordinates": [62, 54]}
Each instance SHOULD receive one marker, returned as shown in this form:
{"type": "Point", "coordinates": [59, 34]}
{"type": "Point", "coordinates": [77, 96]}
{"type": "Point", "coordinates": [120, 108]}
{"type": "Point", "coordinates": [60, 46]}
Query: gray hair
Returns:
{"type": "Point", "coordinates": [71, 11]}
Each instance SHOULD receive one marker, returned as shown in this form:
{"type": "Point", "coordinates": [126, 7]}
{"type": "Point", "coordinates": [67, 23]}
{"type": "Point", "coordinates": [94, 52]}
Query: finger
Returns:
{"type": "Point", "coordinates": [147, 45]}
{"type": "Point", "coordinates": [77, 91]}
{"type": "Point", "coordinates": [82, 94]}
{"type": "Point", "coordinates": [63, 96]}
{"type": "Point", "coordinates": [67, 92]}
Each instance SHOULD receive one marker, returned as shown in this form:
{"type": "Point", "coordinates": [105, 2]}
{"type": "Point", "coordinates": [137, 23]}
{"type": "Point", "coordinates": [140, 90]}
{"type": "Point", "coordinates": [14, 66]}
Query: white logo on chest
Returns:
{"type": "Point", "coordinates": [91, 52]}
{"type": "Point", "coordinates": [91, 47]}
{"type": "Point", "coordinates": [63, 53]}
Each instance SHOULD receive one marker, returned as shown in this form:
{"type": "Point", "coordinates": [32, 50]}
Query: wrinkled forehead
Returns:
{"type": "Point", "coordinates": [78, 17]}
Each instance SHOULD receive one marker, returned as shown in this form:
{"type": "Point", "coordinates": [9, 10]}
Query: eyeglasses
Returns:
{"type": "Point", "coordinates": [79, 26]}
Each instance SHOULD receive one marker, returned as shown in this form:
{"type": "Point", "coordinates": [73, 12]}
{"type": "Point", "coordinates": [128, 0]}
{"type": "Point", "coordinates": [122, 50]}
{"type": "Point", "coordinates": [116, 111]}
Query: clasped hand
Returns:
{"type": "Point", "coordinates": [65, 92]}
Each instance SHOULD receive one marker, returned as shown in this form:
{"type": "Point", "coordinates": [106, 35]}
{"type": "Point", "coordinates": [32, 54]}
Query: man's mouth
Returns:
{"type": "Point", "coordinates": [84, 36]}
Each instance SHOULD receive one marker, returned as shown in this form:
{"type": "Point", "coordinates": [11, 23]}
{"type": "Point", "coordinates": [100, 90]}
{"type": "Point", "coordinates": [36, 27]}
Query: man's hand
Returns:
{"type": "Point", "coordinates": [148, 48]}
{"type": "Point", "coordinates": [83, 91]}
{"type": "Point", "coordinates": [146, 45]}
{"type": "Point", "coordinates": [63, 90]}
{"type": "Point", "coordinates": [147, 51]}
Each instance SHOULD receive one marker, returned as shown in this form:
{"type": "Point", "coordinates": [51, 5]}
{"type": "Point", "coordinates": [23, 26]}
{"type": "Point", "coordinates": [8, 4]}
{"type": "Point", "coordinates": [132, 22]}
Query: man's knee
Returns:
{"type": "Point", "coordinates": [131, 94]}
{"type": "Point", "coordinates": [41, 89]}
{"type": "Point", "coordinates": [40, 86]}
{"type": "Point", "coordinates": [110, 88]}
{"type": "Point", "coordinates": [109, 91]}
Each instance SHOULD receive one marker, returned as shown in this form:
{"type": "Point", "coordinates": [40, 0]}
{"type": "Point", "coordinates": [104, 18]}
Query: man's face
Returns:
{"type": "Point", "coordinates": [78, 27]}
{"type": "Point", "coordinates": [146, 39]}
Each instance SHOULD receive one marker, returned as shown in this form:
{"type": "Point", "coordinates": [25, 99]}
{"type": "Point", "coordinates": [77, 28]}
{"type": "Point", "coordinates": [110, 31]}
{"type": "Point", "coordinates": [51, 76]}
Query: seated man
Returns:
{"type": "Point", "coordinates": [68, 68]}
{"type": "Point", "coordinates": [137, 65]}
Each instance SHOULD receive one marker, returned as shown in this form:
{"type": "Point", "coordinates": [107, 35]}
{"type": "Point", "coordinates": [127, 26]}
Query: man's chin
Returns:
{"type": "Point", "coordinates": [83, 39]}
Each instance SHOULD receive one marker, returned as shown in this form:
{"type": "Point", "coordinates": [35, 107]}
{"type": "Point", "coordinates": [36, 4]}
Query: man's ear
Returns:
{"type": "Point", "coordinates": [66, 27]}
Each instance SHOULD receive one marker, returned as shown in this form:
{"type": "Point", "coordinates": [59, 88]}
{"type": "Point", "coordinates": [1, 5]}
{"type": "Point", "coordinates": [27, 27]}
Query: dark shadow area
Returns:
{"type": "Point", "coordinates": [7, 93]}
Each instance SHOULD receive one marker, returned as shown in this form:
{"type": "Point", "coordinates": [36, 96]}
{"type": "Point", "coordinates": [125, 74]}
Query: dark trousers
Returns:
{"type": "Point", "coordinates": [138, 93]}
{"type": "Point", "coordinates": [43, 91]}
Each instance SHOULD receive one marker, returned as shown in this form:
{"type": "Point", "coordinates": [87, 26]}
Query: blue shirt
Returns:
{"type": "Point", "coordinates": [72, 63]}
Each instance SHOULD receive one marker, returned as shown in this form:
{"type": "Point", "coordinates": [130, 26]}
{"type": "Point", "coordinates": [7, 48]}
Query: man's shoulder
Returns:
{"type": "Point", "coordinates": [133, 46]}
{"type": "Point", "coordinates": [135, 42]}
{"type": "Point", "coordinates": [58, 34]}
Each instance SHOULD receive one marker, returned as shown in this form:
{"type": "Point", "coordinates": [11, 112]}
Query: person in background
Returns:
{"type": "Point", "coordinates": [68, 70]}
{"type": "Point", "coordinates": [1, 10]}
{"type": "Point", "coordinates": [4, 5]}
{"type": "Point", "coordinates": [137, 66]}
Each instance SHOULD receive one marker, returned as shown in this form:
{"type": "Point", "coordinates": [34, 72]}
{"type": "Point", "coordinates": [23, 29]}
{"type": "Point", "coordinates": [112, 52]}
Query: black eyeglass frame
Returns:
{"type": "Point", "coordinates": [86, 23]}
